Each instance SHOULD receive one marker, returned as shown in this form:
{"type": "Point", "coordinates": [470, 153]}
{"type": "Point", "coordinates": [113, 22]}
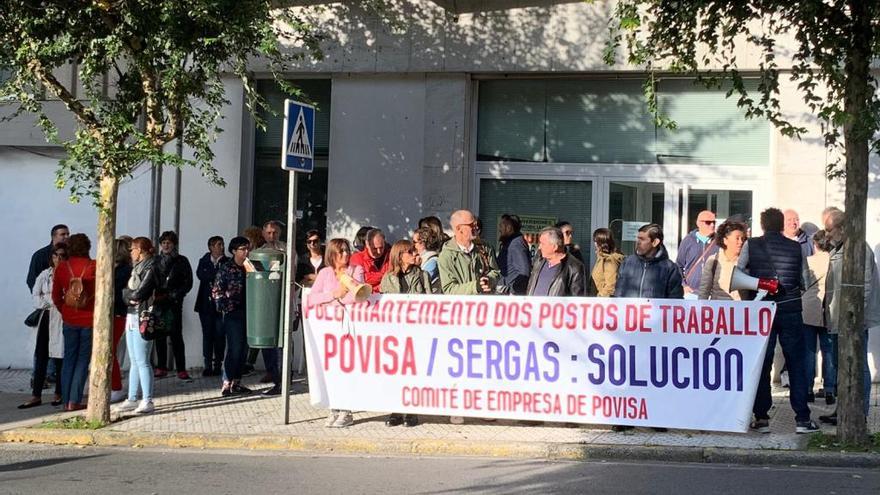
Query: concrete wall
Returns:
{"type": "Point", "coordinates": [31, 206]}
{"type": "Point", "coordinates": [396, 151]}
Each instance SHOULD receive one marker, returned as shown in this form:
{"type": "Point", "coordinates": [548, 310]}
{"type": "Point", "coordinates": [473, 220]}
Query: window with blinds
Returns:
{"type": "Point", "coordinates": [539, 203]}
{"type": "Point", "coordinates": [606, 121]}
{"type": "Point", "coordinates": [316, 90]}
{"type": "Point", "coordinates": [270, 181]}
{"type": "Point", "coordinates": [710, 128]}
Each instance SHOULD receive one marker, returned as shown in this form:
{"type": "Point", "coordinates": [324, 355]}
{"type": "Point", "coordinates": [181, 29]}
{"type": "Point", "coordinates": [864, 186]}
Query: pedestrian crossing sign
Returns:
{"type": "Point", "coordinates": [298, 151]}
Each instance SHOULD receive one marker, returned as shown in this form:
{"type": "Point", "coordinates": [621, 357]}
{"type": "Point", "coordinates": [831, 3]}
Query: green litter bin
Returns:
{"type": "Point", "coordinates": [264, 288]}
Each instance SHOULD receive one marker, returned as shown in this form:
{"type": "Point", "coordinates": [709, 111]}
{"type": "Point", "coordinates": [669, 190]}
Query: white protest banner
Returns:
{"type": "Point", "coordinates": [641, 362]}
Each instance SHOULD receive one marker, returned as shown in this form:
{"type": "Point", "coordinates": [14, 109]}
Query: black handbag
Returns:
{"type": "Point", "coordinates": [33, 319]}
{"type": "Point", "coordinates": [154, 322]}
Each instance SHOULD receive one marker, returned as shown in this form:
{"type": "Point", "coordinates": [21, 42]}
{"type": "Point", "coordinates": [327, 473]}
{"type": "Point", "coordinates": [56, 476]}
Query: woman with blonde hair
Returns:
{"type": "Point", "coordinates": [327, 289]}
{"type": "Point", "coordinates": [608, 260]}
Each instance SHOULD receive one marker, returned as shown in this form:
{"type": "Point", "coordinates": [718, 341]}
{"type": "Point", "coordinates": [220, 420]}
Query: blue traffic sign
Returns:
{"type": "Point", "coordinates": [298, 148]}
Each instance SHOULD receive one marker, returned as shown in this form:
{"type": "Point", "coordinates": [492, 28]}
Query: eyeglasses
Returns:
{"type": "Point", "coordinates": [708, 222]}
{"type": "Point", "coordinates": [472, 225]}
{"type": "Point", "coordinates": [313, 241]}
{"type": "Point", "coordinates": [567, 232]}
{"type": "Point", "coordinates": [242, 248]}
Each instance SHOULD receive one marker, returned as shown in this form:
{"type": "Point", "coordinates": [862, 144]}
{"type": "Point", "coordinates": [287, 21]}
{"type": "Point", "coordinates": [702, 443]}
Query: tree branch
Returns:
{"type": "Point", "coordinates": [82, 113]}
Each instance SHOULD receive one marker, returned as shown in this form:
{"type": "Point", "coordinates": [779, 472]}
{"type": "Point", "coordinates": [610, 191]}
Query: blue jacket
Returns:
{"type": "Point", "coordinates": [657, 277]}
{"type": "Point", "coordinates": [206, 271]}
{"type": "Point", "coordinates": [692, 255]}
{"type": "Point", "coordinates": [515, 264]}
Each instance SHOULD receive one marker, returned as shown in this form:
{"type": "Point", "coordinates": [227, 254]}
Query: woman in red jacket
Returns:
{"type": "Point", "coordinates": [73, 292]}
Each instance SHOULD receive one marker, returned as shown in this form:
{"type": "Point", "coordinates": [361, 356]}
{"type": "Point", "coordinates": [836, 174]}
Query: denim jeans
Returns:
{"type": "Point", "coordinates": [213, 340]}
{"type": "Point", "coordinates": [77, 355]}
{"type": "Point", "coordinates": [140, 375]}
{"type": "Point", "coordinates": [828, 346]}
{"type": "Point", "coordinates": [811, 340]}
{"type": "Point", "coordinates": [788, 328]}
{"type": "Point", "coordinates": [233, 325]}
{"type": "Point", "coordinates": [272, 361]}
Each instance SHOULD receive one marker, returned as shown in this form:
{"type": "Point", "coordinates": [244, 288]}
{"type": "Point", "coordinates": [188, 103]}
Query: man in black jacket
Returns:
{"type": "Point", "coordinates": [556, 273]}
{"type": "Point", "coordinates": [213, 340]}
{"type": "Point", "coordinates": [41, 259]}
{"type": "Point", "coordinates": [649, 273]}
{"type": "Point", "coordinates": [775, 256]}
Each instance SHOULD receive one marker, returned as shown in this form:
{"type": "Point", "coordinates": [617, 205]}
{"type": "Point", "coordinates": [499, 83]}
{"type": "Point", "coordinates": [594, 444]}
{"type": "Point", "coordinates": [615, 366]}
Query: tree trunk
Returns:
{"type": "Point", "coordinates": [99, 375]}
{"type": "Point", "coordinates": [852, 425]}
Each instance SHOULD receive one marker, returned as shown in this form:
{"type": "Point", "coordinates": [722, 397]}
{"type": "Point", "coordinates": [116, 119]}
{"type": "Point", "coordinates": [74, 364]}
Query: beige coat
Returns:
{"type": "Point", "coordinates": [814, 297]}
{"type": "Point", "coordinates": [604, 274]}
{"type": "Point", "coordinates": [715, 279]}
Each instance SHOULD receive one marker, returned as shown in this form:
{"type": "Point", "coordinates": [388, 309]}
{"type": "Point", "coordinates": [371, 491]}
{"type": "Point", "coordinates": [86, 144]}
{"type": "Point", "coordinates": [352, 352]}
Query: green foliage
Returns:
{"type": "Point", "coordinates": [699, 37]}
{"type": "Point", "coordinates": [74, 423]}
{"type": "Point", "coordinates": [163, 62]}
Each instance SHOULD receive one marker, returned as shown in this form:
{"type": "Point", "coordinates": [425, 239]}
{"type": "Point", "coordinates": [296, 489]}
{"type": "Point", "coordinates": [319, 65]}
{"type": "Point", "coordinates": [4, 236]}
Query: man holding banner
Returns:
{"type": "Point", "coordinates": [773, 256]}
{"type": "Point", "coordinates": [556, 273]}
{"type": "Point", "coordinates": [649, 273]}
{"type": "Point", "coordinates": [465, 268]}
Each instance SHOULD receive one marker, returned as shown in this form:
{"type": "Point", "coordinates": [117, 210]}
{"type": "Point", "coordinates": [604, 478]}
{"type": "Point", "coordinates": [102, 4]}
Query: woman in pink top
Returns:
{"type": "Point", "coordinates": [328, 290]}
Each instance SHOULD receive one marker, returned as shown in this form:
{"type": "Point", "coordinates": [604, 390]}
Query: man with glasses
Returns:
{"type": "Point", "coordinates": [693, 251]}
{"type": "Point", "coordinates": [466, 268]}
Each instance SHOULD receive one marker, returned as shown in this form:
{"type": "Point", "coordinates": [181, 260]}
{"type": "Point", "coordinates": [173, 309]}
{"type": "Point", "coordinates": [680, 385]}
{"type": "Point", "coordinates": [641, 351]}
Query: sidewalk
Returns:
{"type": "Point", "coordinates": [193, 414]}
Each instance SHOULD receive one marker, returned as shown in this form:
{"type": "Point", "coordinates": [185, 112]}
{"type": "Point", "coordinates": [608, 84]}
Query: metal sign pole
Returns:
{"type": "Point", "coordinates": [289, 292]}
{"type": "Point", "coordinates": [297, 155]}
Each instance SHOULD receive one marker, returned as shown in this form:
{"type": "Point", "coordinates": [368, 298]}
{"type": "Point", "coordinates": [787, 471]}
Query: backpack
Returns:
{"type": "Point", "coordinates": [75, 295]}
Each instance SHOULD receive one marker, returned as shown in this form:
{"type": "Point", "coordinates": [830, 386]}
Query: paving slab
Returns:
{"type": "Point", "coordinates": [193, 413]}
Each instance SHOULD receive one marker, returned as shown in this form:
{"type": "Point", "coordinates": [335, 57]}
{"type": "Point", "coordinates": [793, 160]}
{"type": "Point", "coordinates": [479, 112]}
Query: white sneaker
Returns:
{"type": "Point", "coordinates": [456, 420]}
{"type": "Point", "coordinates": [126, 406]}
{"type": "Point", "coordinates": [146, 407]}
{"type": "Point", "coordinates": [343, 420]}
{"type": "Point", "coordinates": [117, 396]}
{"type": "Point", "coordinates": [331, 418]}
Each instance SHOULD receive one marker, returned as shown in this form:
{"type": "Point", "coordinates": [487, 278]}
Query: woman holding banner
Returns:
{"type": "Point", "coordinates": [718, 268]}
{"type": "Point", "coordinates": [328, 289]}
{"type": "Point", "coordinates": [404, 277]}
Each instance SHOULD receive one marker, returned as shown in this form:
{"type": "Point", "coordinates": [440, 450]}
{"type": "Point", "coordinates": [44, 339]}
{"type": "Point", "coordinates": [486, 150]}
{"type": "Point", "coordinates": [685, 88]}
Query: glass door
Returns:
{"type": "Point", "coordinates": [725, 204]}
{"type": "Point", "coordinates": [631, 205]}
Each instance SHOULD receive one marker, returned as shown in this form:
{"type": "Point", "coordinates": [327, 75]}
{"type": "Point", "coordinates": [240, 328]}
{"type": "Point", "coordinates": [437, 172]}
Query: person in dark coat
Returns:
{"type": "Point", "coordinates": [308, 266]}
{"type": "Point", "coordinates": [695, 249]}
{"type": "Point", "coordinates": [42, 258]}
{"type": "Point", "coordinates": [774, 256]}
{"type": "Point", "coordinates": [213, 340]}
{"type": "Point", "coordinates": [514, 259]}
{"type": "Point", "coordinates": [175, 281]}
{"type": "Point", "coordinates": [557, 273]}
{"type": "Point", "coordinates": [649, 273]}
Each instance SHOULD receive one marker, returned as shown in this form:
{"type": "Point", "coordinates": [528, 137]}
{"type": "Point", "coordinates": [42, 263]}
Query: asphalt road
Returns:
{"type": "Point", "coordinates": [28, 469]}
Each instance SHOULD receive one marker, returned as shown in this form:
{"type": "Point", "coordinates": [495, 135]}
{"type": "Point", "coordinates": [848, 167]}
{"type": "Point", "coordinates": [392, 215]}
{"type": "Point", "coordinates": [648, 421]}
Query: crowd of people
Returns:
{"type": "Point", "coordinates": [807, 266]}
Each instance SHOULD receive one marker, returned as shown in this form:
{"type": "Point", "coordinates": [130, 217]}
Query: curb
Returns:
{"type": "Point", "coordinates": [429, 447]}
